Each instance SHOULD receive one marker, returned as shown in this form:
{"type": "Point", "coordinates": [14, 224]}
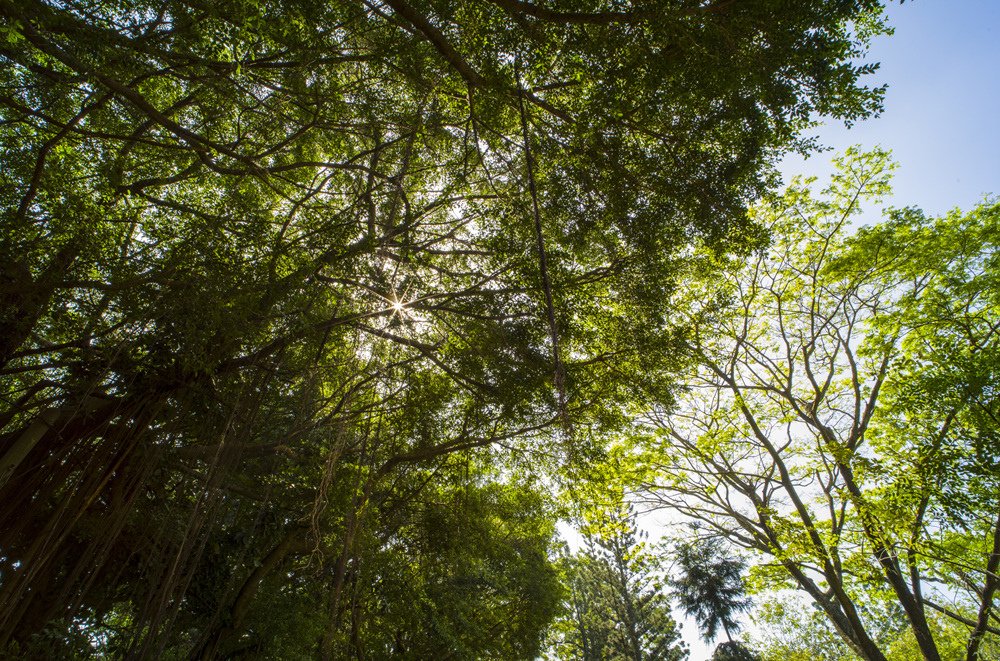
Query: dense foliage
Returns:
{"type": "Point", "coordinates": [304, 306]}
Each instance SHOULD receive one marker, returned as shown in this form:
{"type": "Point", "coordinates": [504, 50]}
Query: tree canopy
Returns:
{"type": "Point", "coordinates": [305, 306]}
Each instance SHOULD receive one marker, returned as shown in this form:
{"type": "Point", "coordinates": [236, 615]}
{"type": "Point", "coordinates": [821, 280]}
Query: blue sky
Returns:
{"type": "Point", "coordinates": [942, 108]}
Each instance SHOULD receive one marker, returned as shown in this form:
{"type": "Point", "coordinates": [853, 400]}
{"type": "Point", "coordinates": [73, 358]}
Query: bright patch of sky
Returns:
{"type": "Point", "coordinates": [942, 107]}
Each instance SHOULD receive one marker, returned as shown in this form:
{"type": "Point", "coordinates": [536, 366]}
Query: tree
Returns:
{"type": "Point", "coordinates": [616, 606]}
{"type": "Point", "coordinates": [787, 627]}
{"type": "Point", "coordinates": [709, 586]}
{"type": "Point", "coordinates": [840, 407]}
{"type": "Point", "coordinates": [467, 574]}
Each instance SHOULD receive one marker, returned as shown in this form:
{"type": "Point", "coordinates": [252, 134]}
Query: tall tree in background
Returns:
{"type": "Point", "coordinates": [842, 408]}
{"type": "Point", "coordinates": [709, 586]}
{"type": "Point", "coordinates": [278, 279]}
{"type": "Point", "coordinates": [617, 608]}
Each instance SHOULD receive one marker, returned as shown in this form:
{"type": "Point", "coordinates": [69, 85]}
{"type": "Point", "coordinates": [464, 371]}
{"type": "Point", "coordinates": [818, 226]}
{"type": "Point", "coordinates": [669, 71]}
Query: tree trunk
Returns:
{"type": "Point", "coordinates": [986, 597]}
{"type": "Point", "coordinates": [23, 300]}
{"type": "Point", "coordinates": [294, 540]}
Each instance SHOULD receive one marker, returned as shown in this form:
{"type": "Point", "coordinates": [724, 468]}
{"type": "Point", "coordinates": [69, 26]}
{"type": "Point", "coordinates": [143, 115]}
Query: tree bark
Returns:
{"type": "Point", "coordinates": [294, 541]}
{"type": "Point", "coordinates": [986, 597]}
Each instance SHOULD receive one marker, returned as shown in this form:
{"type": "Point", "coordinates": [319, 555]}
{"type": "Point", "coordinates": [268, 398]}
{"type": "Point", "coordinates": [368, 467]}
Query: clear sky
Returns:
{"type": "Point", "coordinates": [942, 107]}
{"type": "Point", "coordinates": [941, 119]}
